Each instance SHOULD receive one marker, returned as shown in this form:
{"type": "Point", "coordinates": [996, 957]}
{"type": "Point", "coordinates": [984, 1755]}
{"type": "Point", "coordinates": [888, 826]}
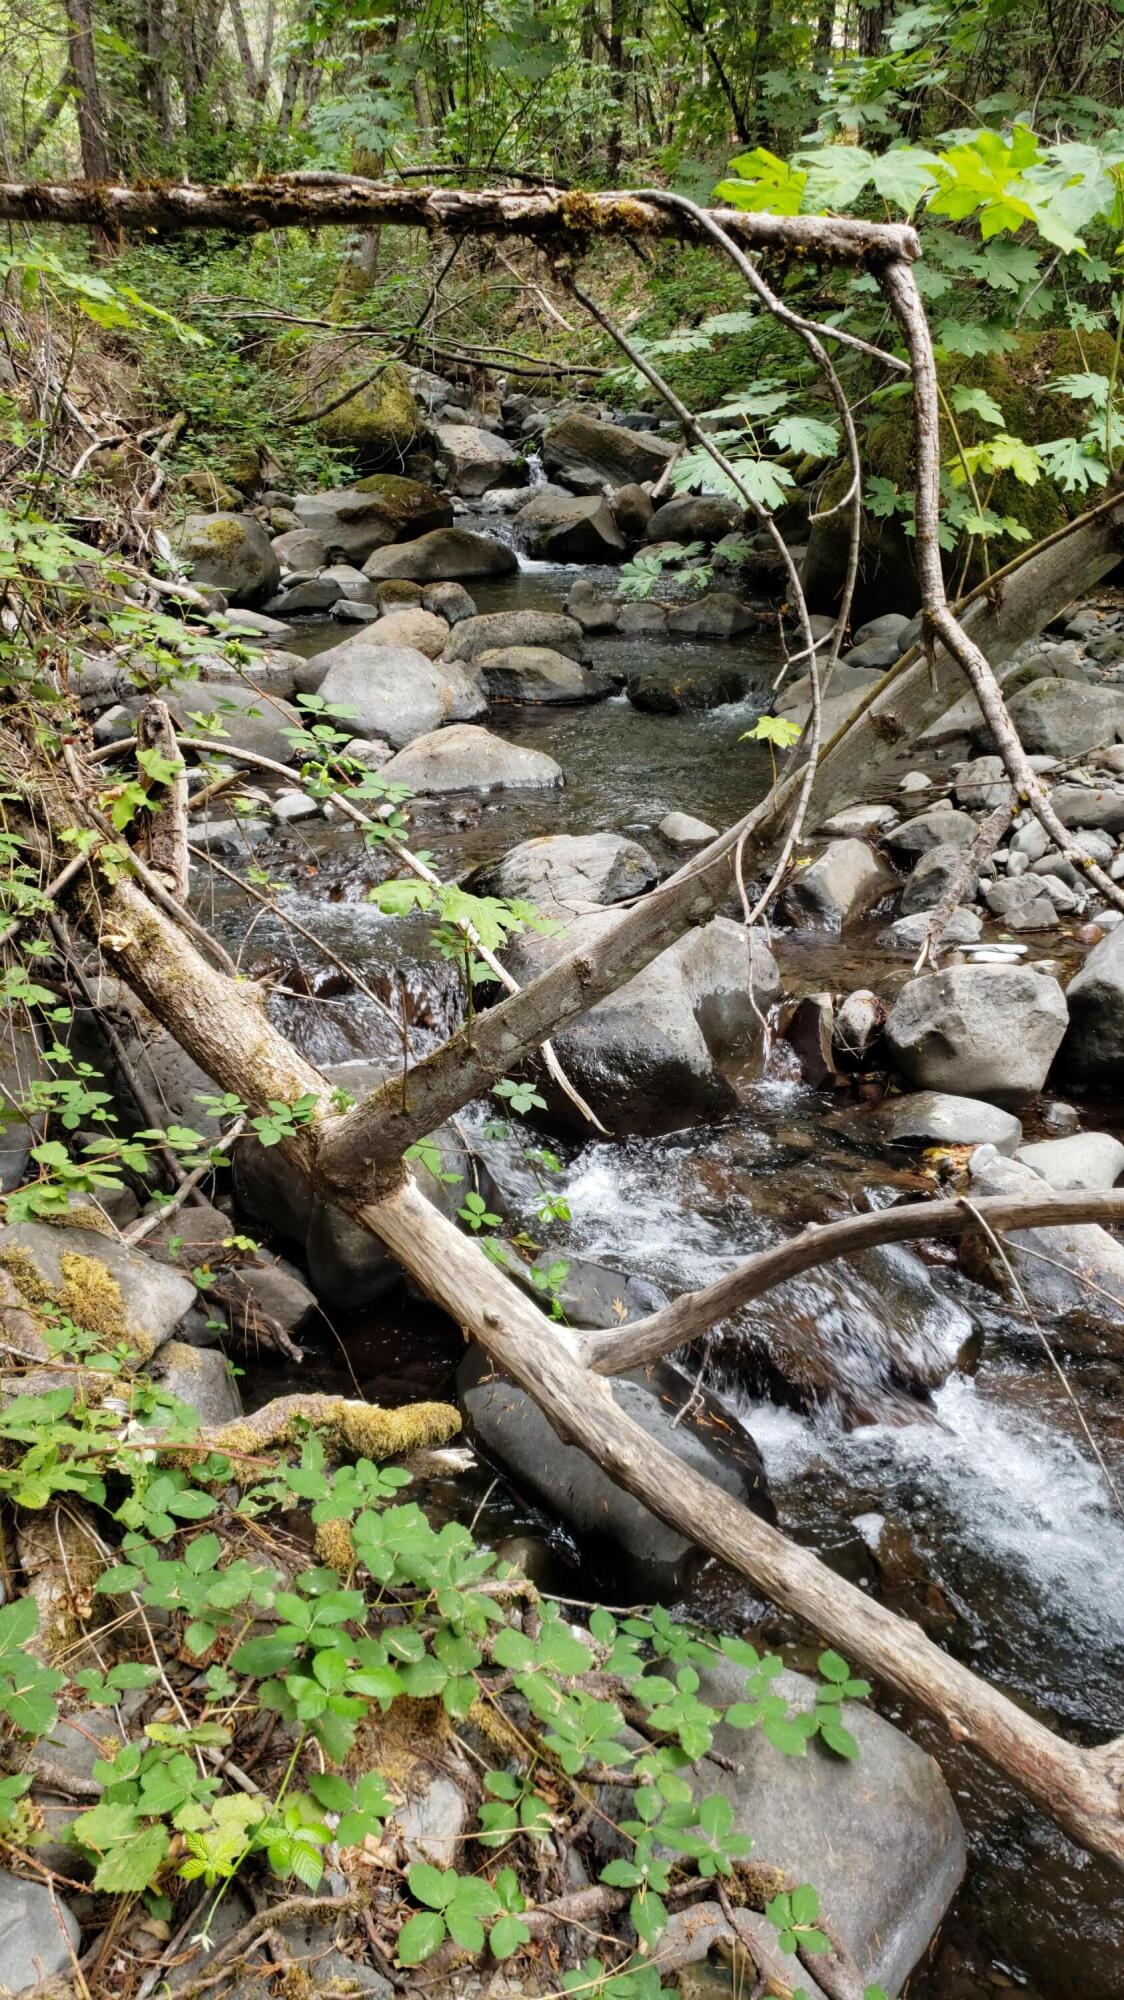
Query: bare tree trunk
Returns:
{"type": "Point", "coordinates": [90, 113]}
{"type": "Point", "coordinates": [47, 117]}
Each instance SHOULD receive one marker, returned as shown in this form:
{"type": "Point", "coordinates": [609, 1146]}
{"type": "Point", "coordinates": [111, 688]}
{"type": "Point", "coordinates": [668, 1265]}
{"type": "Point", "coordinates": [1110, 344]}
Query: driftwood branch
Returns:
{"type": "Point", "coordinates": [694, 1313]}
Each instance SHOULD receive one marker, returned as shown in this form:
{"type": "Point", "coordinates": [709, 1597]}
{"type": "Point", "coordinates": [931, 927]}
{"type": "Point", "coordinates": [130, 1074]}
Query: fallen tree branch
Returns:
{"type": "Point", "coordinates": [965, 876]}
{"type": "Point", "coordinates": [694, 1313]}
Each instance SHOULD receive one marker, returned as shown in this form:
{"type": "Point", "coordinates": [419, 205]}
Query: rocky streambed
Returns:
{"type": "Point", "coordinates": [898, 1412]}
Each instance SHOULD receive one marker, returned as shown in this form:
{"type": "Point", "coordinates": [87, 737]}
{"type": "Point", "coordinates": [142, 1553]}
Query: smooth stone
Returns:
{"type": "Point", "coordinates": [444, 554]}
{"type": "Point", "coordinates": [940, 826]}
{"type": "Point", "coordinates": [568, 868]}
{"type": "Point", "coordinates": [395, 693]}
{"type": "Point", "coordinates": [353, 611]}
{"type": "Point", "coordinates": [909, 933]}
{"type": "Point", "coordinates": [693, 517]}
{"type": "Point", "coordinates": [915, 781]}
{"type": "Point", "coordinates": [300, 548]}
{"type": "Point", "coordinates": [940, 1118]}
{"type": "Point", "coordinates": [889, 625]}
{"type": "Point", "coordinates": [39, 1934]}
{"type": "Point", "coordinates": [846, 879]}
{"type": "Point", "coordinates": [1084, 1160]}
{"type": "Point", "coordinates": [477, 460]}
{"type": "Point", "coordinates": [538, 676]}
{"type": "Point", "coordinates": [449, 601]}
{"type": "Point", "coordinates": [878, 653]}
{"type": "Point", "coordinates": [351, 522]}
{"type": "Point", "coordinates": [587, 452]}
{"type": "Point", "coordinates": [351, 582]}
{"type": "Point", "coordinates": [1093, 1050]}
{"type": "Point", "coordinates": [1063, 717]}
{"type": "Point", "coordinates": [291, 807]}
{"type": "Point", "coordinates": [931, 878]}
{"type": "Point", "coordinates": [1074, 1258]}
{"type": "Point", "coordinates": [410, 626]}
{"type": "Point", "coordinates": [464, 758]}
{"type": "Point", "coordinates": [980, 1030]}
{"type": "Point", "coordinates": [1099, 807]}
{"type": "Point", "coordinates": [681, 829]}
{"type": "Point", "coordinates": [717, 614]}
{"type": "Point", "coordinates": [201, 1378]}
{"type": "Point", "coordinates": [573, 529]}
{"type": "Point", "coordinates": [490, 631]}
{"type": "Point", "coordinates": [314, 593]}
{"type": "Point", "coordinates": [982, 784]}
{"type": "Point", "coordinates": [859, 820]}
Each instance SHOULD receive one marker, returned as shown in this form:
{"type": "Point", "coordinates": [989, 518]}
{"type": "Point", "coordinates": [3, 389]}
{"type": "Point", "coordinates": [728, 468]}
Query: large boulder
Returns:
{"type": "Point", "coordinates": [537, 674]}
{"type": "Point", "coordinates": [97, 1281]}
{"type": "Point", "coordinates": [1064, 718]}
{"type": "Point", "coordinates": [935, 872]}
{"type": "Point", "coordinates": [571, 528]}
{"type": "Point", "coordinates": [717, 614]}
{"type": "Point", "coordinates": [410, 626]}
{"type": "Point", "coordinates": [572, 868]}
{"type": "Point", "coordinates": [939, 1118]}
{"type": "Point", "coordinates": [588, 453]}
{"type": "Point", "coordinates": [981, 1030]}
{"type": "Point", "coordinates": [647, 1057]}
{"type": "Point", "coordinates": [940, 826]}
{"type": "Point", "coordinates": [476, 460]}
{"type": "Point", "coordinates": [674, 687]}
{"type": "Point", "coordinates": [1080, 1268]}
{"type": "Point", "coordinates": [396, 693]}
{"type": "Point", "coordinates": [379, 421]}
{"type": "Point", "coordinates": [880, 1838]}
{"type": "Point", "coordinates": [443, 555]}
{"type": "Point", "coordinates": [842, 882]}
{"type": "Point", "coordinates": [620, 1538]}
{"type": "Point", "coordinates": [1081, 1160]}
{"type": "Point", "coordinates": [693, 517]}
{"type": "Point", "coordinates": [241, 716]}
{"type": "Point", "coordinates": [465, 758]}
{"type": "Point", "coordinates": [491, 630]}
{"type": "Point", "coordinates": [353, 521]}
{"type": "Point", "coordinates": [1093, 1050]}
{"type": "Point", "coordinates": [231, 553]}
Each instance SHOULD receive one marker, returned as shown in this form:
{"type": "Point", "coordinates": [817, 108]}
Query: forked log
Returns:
{"type": "Point", "coordinates": [223, 1026]}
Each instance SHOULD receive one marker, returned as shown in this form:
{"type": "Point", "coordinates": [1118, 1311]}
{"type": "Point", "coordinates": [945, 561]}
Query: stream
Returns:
{"type": "Point", "coordinates": [979, 1513]}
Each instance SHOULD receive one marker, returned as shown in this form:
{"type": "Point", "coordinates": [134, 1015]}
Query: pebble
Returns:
{"type": "Point", "coordinates": [916, 781]}
{"type": "Point", "coordinates": [290, 806]}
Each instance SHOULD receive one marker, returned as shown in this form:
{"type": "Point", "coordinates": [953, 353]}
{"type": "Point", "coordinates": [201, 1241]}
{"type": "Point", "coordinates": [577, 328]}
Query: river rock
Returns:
{"type": "Point", "coordinates": [874, 654]}
{"type": "Point", "coordinates": [932, 875]}
{"type": "Point", "coordinates": [491, 630]}
{"type": "Point", "coordinates": [674, 688]}
{"type": "Point", "coordinates": [464, 758]}
{"type": "Point", "coordinates": [694, 517]}
{"type": "Point", "coordinates": [681, 829]}
{"type": "Point", "coordinates": [886, 1849]}
{"type": "Point", "coordinates": [39, 1935]}
{"type": "Point", "coordinates": [647, 1057]}
{"type": "Point", "coordinates": [449, 601]}
{"type": "Point", "coordinates": [571, 529]}
{"type": "Point", "coordinates": [1075, 1256]}
{"type": "Point", "coordinates": [983, 1030]}
{"type": "Point", "coordinates": [891, 625]}
{"type": "Point", "coordinates": [620, 1538]}
{"type": "Point", "coordinates": [1098, 807]}
{"type": "Point", "coordinates": [1083, 1160]}
{"type": "Point", "coordinates": [717, 614]}
{"type": "Point", "coordinates": [981, 784]}
{"type": "Point", "coordinates": [843, 881]}
{"type": "Point", "coordinates": [396, 693]}
{"type": "Point", "coordinates": [248, 720]}
{"type": "Point", "coordinates": [859, 820]}
{"type": "Point", "coordinates": [411, 626]}
{"type": "Point", "coordinates": [1093, 1050]}
{"type": "Point", "coordinates": [444, 554]}
{"type": "Point", "coordinates": [963, 926]}
{"type": "Point", "coordinates": [310, 593]}
{"type": "Point", "coordinates": [476, 459]}
{"type": "Point", "coordinates": [353, 521]}
{"type": "Point", "coordinates": [200, 1377]}
{"type": "Point", "coordinates": [351, 584]}
{"type": "Point", "coordinates": [1064, 717]}
{"type": "Point", "coordinates": [585, 451]}
{"type": "Point", "coordinates": [941, 826]}
{"type": "Point", "coordinates": [1022, 903]}
{"type": "Point", "coordinates": [537, 674]}
{"type": "Point", "coordinates": [632, 510]}
{"type": "Point", "coordinates": [300, 548]}
{"type": "Point", "coordinates": [98, 1281]}
{"type": "Point", "coordinates": [231, 552]}
{"type": "Point", "coordinates": [572, 868]}
{"type": "Point", "coordinates": [937, 1118]}
{"type": "Point", "coordinates": [591, 611]}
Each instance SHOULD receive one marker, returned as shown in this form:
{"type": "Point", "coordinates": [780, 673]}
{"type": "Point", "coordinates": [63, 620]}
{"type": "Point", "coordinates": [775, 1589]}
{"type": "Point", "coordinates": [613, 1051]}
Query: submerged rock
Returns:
{"type": "Point", "coordinates": [982, 1030]}
{"type": "Point", "coordinates": [636, 1553]}
{"type": "Point", "coordinates": [396, 693]}
{"type": "Point", "coordinates": [567, 868]}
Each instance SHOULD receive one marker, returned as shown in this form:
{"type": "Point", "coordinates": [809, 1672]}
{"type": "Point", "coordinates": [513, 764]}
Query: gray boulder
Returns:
{"type": "Point", "coordinates": [465, 758]}
{"type": "Point", "coordinates": [353, 521]}
{"type": "Point", "coordinates": [491, 630]}
{"type": "Point", "coordinates": [410, 626]}
{"type": "Point", "coordinates": [39, 1935]}
{"type": "Point", "coordinates": [1064, 717]}
{"type": "Point", "coordinates": [938, 1118]}
{"type": "Point", "coordinates": [572, 868]}
{"type": "Point", "coordinates": [717, 614]}
{"type": "Point", "coordinates": [964, 926]}
{"type": "Point", "coordinates": [21, 1066]}
{"type": "Point", "coordinates": [351, 584]}
{"type": "Point", "coordinates": [444, 554]}
{"type": "Point", "coordinates": [309, 593]}
{"type": "Point", "coordinates": [537, 674]}
{"type": "Point", "coordinates": [891, 625]}
{"type": "Point", "coordinates": [1099, 807]}
{"type": "Point", "coordinates": [300, 548]}
{"type": "Point", "coordinates": [632, 510]}
{"type": "Point", "coordinates": [839, 885]}
{"type": "Point", "coordinates": [941, 826]}
{"type": "Point", "coordinates": [874, 653]}
{"type": "Point", "coordinates": [98, 1281]}
{"type": "Point", "coordinates": [681, 829]}
{"type": "Point", "coordinates": [571, 529]}
{"type": "Point", "coordinates": [1022, 903]}
{"type": "Point", "coordinates": [860, 820]}
{"type": "Point", "coordinates": [1083, 1160]}
{"type": "Point", "coordinates": [981, 784]}
{"type": "Point", "coordinates": [982, 1030]}
{"type": "Point", "coordinates": [1074, 1258]}
{"type": "Point", "coordinates": [932, 875]}
{"type": "Point", "coordinates": [476, 460]}
{"type": "Point", "coordinates": [248, 720]}
{"type": "Point", "coordinates": [233, 553]}
{"type": "Point", "coordinates": [693, 517]}
{"type": "Point", "coordinates": [1093, 1050]}
{"type": "Point", "coordinates": [200, 1377]}
{"type": "Point", "coordinates": [396, 693]}
{"type": "Point", "coordinates": [449, 601]}
{"type": "Point", "coordinates": [647, 1057]}
{"type": "Point", "coordinates": [585, 451]}
{"type": "Point", "coordinates": [620, 1537]}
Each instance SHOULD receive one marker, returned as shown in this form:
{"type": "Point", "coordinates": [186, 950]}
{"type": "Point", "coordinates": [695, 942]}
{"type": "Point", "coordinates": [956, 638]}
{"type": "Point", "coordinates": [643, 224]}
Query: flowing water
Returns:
{"type": "Point", "coordinates": [912, 1430]}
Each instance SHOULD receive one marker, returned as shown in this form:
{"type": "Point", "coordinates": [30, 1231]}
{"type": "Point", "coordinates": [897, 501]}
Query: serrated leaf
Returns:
{"type": "Point", "coordinates": [507, 1934]}
{"type": "Point", "coordinates": [131, 1864]}
{"type": "Point", "coordinates": [978, 403]}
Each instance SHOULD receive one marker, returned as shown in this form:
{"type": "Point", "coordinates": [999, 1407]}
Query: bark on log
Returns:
{"type": "Point", "coordinates": [694, 1313]}
{"type": "Point", "coordinates": [545, 215]}
{"type": "Point", "coordinates": [230, 1037]}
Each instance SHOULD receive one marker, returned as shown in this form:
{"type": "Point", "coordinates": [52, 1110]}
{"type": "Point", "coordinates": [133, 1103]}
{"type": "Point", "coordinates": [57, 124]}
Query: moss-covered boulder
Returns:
{"type": "Point", "coordinates": [353, 521]}
{"type": "Point", "coordinates": [379, 421]}
{"type": "Point", "coordinates": [215, 495]}
{"type": "Point", "coordinates": [233, 553]}
{"type": "Point", "coordinates": [97, 1282]}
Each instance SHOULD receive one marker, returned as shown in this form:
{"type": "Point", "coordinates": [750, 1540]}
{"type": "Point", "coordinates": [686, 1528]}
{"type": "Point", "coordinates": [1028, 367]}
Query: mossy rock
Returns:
{"type": "Point", "coordinates": [233, 553]}
{"type": "Point", "coordinates": [98, 1283]}
{"type": "Point", "coordinates": [407, 504]}
{"type": "Point", "coordinates": [378, 422]}
{"type": "Point", "coordinates": [212, 492]}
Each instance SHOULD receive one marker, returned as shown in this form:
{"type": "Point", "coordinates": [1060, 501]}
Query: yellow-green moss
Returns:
{"type": "Point", "coordinates": [211, 492]}
{"type": "Point", "coordinates": [334, 1546]}
{"type": "Point", "coordinates": [88, 1294]}
{"type": "Point", "coordinates": [220, 536]}
{"type": "Point", "coordinates": [378, 422]}
{"type": "Point", "coordinates": [364, 1429]}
